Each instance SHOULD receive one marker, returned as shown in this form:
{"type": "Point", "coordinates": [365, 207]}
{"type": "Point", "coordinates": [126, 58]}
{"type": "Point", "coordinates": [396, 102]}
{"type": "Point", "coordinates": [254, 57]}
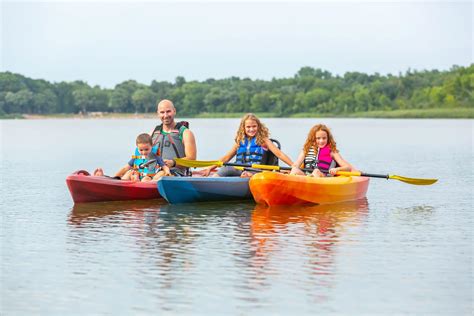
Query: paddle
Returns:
{"type": "Point", "coordinates": [203, 163]}
{"type": "Point", "coordinates": [146, 164]}
{"type": "Point", "coordinates": [415, 181]}
{"type": "Point", "coordinates": [149, 162]}
{"type": "Point", "coordinates": [208, 163]}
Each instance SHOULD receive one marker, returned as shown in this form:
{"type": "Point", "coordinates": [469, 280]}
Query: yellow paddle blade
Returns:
{"type": "Point", "coordinates": [414, 181]}
{"type": "Point", "coordinates": [197, 163]}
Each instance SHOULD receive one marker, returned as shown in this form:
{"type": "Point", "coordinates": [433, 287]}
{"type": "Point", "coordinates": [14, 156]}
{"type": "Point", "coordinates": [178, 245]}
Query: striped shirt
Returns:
{"type": "Point", "coordinates": [310, 159]}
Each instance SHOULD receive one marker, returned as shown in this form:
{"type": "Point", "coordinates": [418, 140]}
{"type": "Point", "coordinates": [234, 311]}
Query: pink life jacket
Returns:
{"type": "Point", "coordinates": [322, 159]}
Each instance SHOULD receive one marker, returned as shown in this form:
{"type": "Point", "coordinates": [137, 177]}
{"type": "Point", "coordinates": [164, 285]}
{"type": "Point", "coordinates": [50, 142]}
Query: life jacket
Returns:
{"type": "Point", "coordinates": [138, 159]}
{"type": "Point", "coordinates": [170, 144]}
{"type": "Point", "coordinates": [249, 151]}
{"type": "Point", "coordinates": [269, 157]}
{"type": "Point", "coordinates": [321, 160]}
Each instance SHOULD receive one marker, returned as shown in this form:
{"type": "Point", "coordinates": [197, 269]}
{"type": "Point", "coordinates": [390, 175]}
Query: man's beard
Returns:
{"type": "Point", "coordinates": [167, 121]}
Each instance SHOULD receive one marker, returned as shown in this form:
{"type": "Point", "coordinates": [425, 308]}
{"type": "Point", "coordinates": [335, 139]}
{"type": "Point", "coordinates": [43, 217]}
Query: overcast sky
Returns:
{"type": "Point", "coordinates": [108, 42]}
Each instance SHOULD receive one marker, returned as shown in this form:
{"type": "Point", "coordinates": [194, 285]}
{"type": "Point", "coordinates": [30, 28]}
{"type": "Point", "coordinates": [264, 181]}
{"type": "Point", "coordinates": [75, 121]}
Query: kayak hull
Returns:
{"type": "Point", "coordinates": [85, 188]}
{"type": "Point", "coordinates": [273, 188]}
{"type": "Point", "coordinates": [203, 189]}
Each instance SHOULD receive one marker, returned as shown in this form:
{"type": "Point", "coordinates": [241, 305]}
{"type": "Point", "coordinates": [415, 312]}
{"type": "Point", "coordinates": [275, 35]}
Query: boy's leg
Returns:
{"type": "Point", "coordinates": [127, 175]}
{"type": "Point", "coordinates": [134, 176]}
{"type": "Point", "coordinates": [158, 175]}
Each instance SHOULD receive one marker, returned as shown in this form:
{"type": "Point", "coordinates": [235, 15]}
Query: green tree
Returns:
{"type": "Point", "coordinates": [10, 82]}
{"type": "Point", "coordinates": [315, 73]}
{"type": "Point", "coordinates": [162, 89]}
{"type": "Point", "coordinates": [263, 102]}
{"type": "Point", "coordinates": [63, 91]}
{"type": "Point", "coordinates": [18, 102]}
{"type": "Point", "coordinates": [45, 102]}
{"type": "Point", "coordinates": [127, 89]}
{"type": "Point", "coordinates": [194, 94]}
{"type": "Point", "coordinates": [180, 81]}
{"type": "Point", "coordinates": [82, 99]}
{"type": "Point", "coordinates": [362, 99]}
{"type": "Point", "coordinates": [143, 99]}
{"type": "Point", "coordinates": [119, 100]}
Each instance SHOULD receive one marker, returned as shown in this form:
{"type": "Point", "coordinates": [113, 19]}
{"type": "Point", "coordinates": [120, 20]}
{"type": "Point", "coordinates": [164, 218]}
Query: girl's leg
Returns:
{"type": "Point", "coordinates": [318, 174]}
{"type": "Point", "coordinates": [246, 174]}
{"type": "Point", "coordinates": [228, 171]}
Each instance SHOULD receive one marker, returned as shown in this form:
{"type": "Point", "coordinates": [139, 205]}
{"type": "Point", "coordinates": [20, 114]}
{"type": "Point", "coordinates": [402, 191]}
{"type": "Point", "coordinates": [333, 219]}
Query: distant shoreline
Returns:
{"type": "Point", "coordinates": [438, 113]}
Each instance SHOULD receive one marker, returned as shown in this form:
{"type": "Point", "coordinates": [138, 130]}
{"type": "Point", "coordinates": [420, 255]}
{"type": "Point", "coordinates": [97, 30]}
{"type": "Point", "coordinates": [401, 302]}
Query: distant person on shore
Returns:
{"type": "Point", "coordinates": [251, 146]}
{"type": "Point", "coordinates": [145, 165]}
{"type": "Point", "coordinates": [320, 153]}
{"type": "Point", "coordinates": [173, 139]}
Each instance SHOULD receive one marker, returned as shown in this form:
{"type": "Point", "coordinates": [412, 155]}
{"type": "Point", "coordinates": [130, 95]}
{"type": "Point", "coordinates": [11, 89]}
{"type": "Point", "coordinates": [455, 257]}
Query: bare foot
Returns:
{"type": "Point", "coordinates": [246, 174]}
{"type": "Point", "coordinates": [98, 172]}
{"type": "Point", "coordinates": [135, 177]}
{"type": "Point", "coordinates": [146, 179]}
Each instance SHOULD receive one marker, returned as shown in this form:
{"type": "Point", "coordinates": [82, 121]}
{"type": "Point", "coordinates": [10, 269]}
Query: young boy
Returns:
{"type": "Point", "coordinates": [144, 165]}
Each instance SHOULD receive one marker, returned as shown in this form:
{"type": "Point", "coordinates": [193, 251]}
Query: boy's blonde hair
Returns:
{"type": "Point", "coordinates": [262, 130]}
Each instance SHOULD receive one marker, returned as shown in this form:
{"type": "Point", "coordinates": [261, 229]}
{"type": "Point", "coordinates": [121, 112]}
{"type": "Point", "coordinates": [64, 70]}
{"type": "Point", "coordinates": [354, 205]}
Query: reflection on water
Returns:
{"type": "Point", "coordinates": [173, 247]}
{"type": "Point", "coordinates": [178, 247]}
{"type": "Point", "coordinates": [84, 213]}
{"type": "Point", "coordinates": [319, 225]}
{"type": "Point", "coordinates": [305, 237]}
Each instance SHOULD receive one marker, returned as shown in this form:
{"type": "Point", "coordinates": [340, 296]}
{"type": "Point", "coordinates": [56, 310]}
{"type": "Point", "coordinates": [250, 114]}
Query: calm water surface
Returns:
{"type": "Point", "coordinates": [404, 250]}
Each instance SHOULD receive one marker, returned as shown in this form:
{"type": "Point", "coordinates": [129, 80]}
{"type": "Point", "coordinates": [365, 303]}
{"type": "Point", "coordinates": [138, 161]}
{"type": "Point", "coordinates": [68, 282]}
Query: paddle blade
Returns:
{"type": "Point", "coordinates": [197, 163]}
{"type": "Point", "coordinates": [414, 181]}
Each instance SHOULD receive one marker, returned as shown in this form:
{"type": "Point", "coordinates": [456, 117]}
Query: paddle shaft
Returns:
{"type": "Point", "coordinates": [217, 163]}
{"type": "Point", "coordinates": [371, 175]}
{"type": "Point", "coordinates": [415, 181]}
{"type": "Point", "coordinates": [146, 164]}
{"type": "Point", "coordinates": [267, 167]}
{"type": "Point", "coordinates": [362, 174]}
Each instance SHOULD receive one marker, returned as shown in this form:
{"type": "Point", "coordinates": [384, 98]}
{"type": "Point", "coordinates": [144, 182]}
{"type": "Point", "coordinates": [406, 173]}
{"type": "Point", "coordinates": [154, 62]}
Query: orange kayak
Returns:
{"type": "Point", "coordinates": [274, 188]}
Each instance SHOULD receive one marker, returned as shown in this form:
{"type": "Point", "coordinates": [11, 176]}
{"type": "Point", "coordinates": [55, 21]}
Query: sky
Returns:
{"type": "Point", "coordinates": [107, 42]}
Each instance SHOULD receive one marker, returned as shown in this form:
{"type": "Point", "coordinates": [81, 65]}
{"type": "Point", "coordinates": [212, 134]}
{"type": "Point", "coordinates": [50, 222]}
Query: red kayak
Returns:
{"type": "Point", "coordinates": [86, 188]}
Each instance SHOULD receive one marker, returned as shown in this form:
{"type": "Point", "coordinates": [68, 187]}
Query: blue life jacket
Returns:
{"type": "Point", "coordinates": [249, 152]}
{"type": "Point", "coordinates": [138, 159]}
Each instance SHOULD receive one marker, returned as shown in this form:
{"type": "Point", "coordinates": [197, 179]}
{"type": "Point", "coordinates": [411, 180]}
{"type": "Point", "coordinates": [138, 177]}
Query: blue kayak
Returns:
{"type": "Point", "coordinates": [203, 189]}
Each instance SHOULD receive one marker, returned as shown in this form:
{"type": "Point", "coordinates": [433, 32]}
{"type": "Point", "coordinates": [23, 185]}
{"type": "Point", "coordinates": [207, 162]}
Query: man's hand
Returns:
{"type": "Point", "coordinates": [169, 163]}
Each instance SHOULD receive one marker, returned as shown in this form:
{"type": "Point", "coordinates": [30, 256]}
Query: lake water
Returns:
{"type": "Point", "coordinates": [404, 250]}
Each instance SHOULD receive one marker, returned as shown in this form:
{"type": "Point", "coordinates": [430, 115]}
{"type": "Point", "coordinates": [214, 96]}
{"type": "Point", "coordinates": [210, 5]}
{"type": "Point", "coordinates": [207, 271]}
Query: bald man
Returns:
{"type": "Point", "coordinates": [173, 139]}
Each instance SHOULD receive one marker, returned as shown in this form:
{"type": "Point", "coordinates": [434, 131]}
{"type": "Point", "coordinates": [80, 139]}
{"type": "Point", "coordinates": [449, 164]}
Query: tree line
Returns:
{"type": "Point", "coordinates": [310, 90]}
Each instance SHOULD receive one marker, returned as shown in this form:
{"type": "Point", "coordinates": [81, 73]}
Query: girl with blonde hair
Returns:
{"type": "Point", "coordinates": [251, 143]}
